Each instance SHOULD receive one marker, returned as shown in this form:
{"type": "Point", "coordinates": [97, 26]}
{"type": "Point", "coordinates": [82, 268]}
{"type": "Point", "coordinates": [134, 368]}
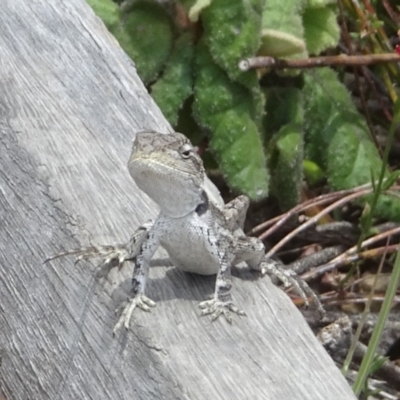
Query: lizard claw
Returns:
{"type": "Point", "coordinates": [216, 308]}
{"type": "Point", "coordinates": [112, 256]}
{"type": "Point", "coordinates": [139, 301]}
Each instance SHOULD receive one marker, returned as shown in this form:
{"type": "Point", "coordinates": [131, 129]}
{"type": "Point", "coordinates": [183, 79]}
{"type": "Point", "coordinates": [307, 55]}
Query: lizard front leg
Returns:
{"type": "Point", "coordinates": [112, 256]}
{"type": "Point", "coordinates": [140, 274]}
{"type": "Point", "coordinates": [235, 213]}
{"type": "Point", "coordinates": [222, 300]}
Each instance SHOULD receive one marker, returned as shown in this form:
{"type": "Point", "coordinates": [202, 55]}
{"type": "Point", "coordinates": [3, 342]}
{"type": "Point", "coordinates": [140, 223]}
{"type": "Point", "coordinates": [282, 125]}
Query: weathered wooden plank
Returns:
{"type": "Point", "coordinates": [70, 102]}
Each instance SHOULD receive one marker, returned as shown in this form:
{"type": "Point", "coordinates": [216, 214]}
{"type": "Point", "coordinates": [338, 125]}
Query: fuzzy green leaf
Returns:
{"type": "Point", "coordinates": [321, 29]}
{"type": "Point", "coordinates": [312, 172]}
{"type": "Point", "coordinates": [280, 44]}
{"type": "Point", "coordinates": [287, 173]}
{"type": "Point", "coordinates": [232, 30]}
{"type": "Point", "coordinates": [175, 86]}
{"type": "Point", "coordinates": [330, 116]}
{"type": "Point", "coordinates": [282, 28]}
{"type": "Point", "coordinates": [284, 16]}
{"type": "Point", "coordinates": [227, 110]}
{"type": "Point", "coordinates": [337, 137]}
{"type": "Point", "coordinates": [108, 11]}
{"type": "Point", "coordinates": [320, 3]}
{"type": "Point", "coordinates": [146, 35]}
{"type": "Point", "coordinates": [351, 154]}
{"type": "Point", "coordinates": [285, 110]}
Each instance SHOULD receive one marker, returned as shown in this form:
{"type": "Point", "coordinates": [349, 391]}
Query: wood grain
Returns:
{"type": "Point", "coordinates": [70, 103]}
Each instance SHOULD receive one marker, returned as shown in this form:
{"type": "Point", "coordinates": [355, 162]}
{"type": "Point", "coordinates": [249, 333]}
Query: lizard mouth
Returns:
{"type": "Point", "coordinates": [165, 167]}
{"type": "Point", "coordinates": [176, 191]}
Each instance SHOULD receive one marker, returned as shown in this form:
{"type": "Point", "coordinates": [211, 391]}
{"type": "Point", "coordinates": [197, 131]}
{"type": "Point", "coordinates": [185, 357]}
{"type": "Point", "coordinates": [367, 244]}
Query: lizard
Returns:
{"type": "Point", "coordinates": [200, 233]}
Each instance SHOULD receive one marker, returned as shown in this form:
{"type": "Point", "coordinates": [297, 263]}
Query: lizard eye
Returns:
{"type": "Point", "coordinates": [186, 150]}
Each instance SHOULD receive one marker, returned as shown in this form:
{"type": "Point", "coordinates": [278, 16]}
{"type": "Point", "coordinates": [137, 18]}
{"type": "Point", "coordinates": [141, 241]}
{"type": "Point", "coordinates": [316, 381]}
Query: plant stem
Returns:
{"type": "Point", "coordinates": [376, 335]}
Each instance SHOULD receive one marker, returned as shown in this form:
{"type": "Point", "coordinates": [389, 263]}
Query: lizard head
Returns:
{"type": "Point", "coordinates": [169, 170]}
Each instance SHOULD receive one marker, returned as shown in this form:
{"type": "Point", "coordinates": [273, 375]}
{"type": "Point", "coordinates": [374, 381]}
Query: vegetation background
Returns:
{"type": "Point", "coordinates": [268, 129]}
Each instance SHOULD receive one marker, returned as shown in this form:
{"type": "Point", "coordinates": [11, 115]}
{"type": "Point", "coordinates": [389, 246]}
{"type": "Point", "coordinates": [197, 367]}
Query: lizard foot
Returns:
{"type": "Point", "coordinates": [139, 301]}
{"type": "Point", "coordinates": [216, 308]}
{"type": "Point", "coordinates": [112, 256]}
{"type": "Point", "coordinates": [290, 278]}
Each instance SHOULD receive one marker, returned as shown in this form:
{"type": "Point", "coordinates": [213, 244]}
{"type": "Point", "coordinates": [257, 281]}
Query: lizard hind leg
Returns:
{"type": "Point", "coordinates": [221, 303]}
{"type": "Point", "coordinates": [110, 256]}
{"type": "Point", "coordinates": [252, 251]}
{"type": "Point", "coordinates": [290, 278]}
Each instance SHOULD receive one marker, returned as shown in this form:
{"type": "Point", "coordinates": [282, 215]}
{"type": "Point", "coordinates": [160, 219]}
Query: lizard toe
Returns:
{"type": "Point", "coordinates": [216, 308]}
{"type": "Point", "coordinates": [139, 301]}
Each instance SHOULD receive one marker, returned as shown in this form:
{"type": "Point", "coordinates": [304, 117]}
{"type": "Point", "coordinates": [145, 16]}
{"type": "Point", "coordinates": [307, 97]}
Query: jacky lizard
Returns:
{"type": "Point", "coordinates": [199, 232]}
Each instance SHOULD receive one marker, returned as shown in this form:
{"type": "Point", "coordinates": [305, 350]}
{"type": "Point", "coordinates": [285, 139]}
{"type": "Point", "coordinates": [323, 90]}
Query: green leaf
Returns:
{"type": "Point", "coordinates": [337, 138]}
{"type": "Point", "coordinates": [237, 147]}
{"type": "Point", "coordinates": [321, 29]}
{"type": "Point", "coordinates": [320, 3]}
{"type": "Point", "coordinates": [377, 24]}
{"type": "Point", "coordinates": [285, 108]}
{"type": "Point", "coordinates": [108, 11]}
{"type": "Point", "coordinates": [284, 16]}
{"type": "Point", "coordinates": [312, 172]}
{"type": "Point", "coordinates": [282, 28]}
{"type": "Point", "coordinates": [146, 35]}
{"type": "Point", "coordinates": [388, 207]}
{"type": "Point", "coordinates": [351, 153]}
{"type": "Point", "coordinates": [176, 84]}
{"type": "Point", "coordinates": [227, 110]}
{"type": "Point", "coordinates": [279, 44]}
{"type": "Point", "coordinates": [232, 30]}
{"type": "Point", "coordinates": [287, 174]}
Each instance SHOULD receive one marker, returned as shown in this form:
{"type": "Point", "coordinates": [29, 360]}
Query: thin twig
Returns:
{"type": "Point", "coordinates": [395, 18]}
{"type": "Point", "coordinates": [350, 259]}
{"type": "Point", "coordinates": [280, 219]}
{"type": "Point", "coordinates": [351, 255]}
{"type": "Point", "coordinates": [317, 62]}
{"type": "Point", "coordinates": [315, 219]}
{"type": "Point", "coordinates": [358, 300]}
{"type": "Point", "coordinates": [316, 201]}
